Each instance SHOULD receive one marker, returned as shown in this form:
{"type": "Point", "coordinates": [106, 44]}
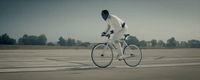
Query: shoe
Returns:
{"type": "Point", "coordinates": [120, 57]}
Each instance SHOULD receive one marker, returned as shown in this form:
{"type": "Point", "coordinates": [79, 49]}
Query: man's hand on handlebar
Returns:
{"type": "Point", "coordinates": [106, 34]}
{"type": "Point", "coordinates": [103, 33]}
{"type": "Point", "coordinates": [112, 31]}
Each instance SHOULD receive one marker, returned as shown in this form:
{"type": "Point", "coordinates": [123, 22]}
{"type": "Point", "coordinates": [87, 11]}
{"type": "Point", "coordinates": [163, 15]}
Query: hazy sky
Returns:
{"type": "Point", "coordinates": [81, 19]}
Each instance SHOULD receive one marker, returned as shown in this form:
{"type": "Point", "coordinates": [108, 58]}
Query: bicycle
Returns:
{"type": "Point", "coordinates": [102, 53]}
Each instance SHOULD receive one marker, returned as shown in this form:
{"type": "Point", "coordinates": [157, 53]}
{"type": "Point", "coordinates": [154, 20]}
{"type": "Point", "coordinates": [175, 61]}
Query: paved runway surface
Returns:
{"type": "Point", "coordinates": [76, 64]}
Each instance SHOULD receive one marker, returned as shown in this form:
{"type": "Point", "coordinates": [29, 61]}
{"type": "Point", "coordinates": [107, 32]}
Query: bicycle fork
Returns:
{"type": "Point", "coordinates": [106, 46]}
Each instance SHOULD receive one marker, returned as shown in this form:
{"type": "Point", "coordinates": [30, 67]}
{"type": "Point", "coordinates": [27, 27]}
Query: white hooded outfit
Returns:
{"type": "Point", "coordinates": [119, 27]}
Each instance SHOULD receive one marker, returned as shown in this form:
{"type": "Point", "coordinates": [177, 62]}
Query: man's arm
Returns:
{"type": "Point", "coordinates": [106, 31]}
{"type": "Point", "coordinates": [108, 28]}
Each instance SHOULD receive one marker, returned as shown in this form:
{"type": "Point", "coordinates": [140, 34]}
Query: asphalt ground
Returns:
{"type": "Point", "coordinates": [76, 64]}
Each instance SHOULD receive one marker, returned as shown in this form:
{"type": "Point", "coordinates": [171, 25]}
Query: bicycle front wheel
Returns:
{"type": "Point", "coordinates": [102, 55]}
{"type": "Point", "coordinates": [133, 55]}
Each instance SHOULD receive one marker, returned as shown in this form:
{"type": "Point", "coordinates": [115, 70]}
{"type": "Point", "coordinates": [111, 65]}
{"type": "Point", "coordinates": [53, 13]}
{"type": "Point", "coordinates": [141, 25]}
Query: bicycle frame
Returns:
{"type": "Point", "coordinates": [102, 53]}
{"type": "Point", "coordinates": [110, 42]}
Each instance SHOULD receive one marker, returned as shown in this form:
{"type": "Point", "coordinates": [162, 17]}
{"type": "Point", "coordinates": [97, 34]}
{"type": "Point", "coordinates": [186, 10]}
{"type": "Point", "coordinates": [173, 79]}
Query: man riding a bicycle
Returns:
{"type": "Point", "coordinates": [102, 53]}
{"type": "Point", "coordinates": [117, 27]}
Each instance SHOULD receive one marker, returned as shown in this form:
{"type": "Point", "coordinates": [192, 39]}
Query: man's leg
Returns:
{"type": "Point", "coordinates": [116, 38]}
{"type": "Point", "coordinates": [119, 50]}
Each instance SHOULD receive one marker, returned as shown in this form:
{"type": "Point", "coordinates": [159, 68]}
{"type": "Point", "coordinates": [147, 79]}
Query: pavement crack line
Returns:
{"type": "Point", "coordinates": [84, 64]}
{"type": "Point", "coordinates": [92, 67]}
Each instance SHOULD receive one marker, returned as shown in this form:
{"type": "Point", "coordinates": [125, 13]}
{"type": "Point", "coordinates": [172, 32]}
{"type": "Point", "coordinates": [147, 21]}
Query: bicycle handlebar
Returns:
{"type": "Point", "coordinates": [106, 35]}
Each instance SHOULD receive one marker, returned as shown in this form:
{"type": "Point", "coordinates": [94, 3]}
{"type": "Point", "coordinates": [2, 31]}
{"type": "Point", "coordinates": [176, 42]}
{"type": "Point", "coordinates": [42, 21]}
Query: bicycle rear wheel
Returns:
{"type": "Point", "coordinates": [102, 55]}
{"type": "Point", "coordinates": [133, 55]}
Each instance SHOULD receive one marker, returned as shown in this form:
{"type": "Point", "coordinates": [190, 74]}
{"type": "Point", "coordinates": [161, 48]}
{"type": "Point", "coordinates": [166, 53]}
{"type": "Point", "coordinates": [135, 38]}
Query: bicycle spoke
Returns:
{"type": "Point", "coordinates": [102, 55]}
{"type": "Point", "coordinates": [132, 55]}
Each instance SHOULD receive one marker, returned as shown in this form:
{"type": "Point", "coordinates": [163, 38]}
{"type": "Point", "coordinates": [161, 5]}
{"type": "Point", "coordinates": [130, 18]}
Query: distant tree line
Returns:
{"type": "Point", "coordinates": [6, 40]}
{"type": "Point", "coordinates": [71, 42]}
{"type": "Point", "coordinates": [171, 43]}
{"type": "Point", "coordinates": [32, 40]}
{"type": "Point", "coordinates": [42, 40]}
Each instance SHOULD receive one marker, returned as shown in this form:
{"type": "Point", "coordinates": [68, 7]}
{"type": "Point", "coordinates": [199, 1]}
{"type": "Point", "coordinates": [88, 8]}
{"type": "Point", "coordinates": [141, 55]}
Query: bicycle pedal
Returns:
{"type": "Point", "coordinates": [120, 59]}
